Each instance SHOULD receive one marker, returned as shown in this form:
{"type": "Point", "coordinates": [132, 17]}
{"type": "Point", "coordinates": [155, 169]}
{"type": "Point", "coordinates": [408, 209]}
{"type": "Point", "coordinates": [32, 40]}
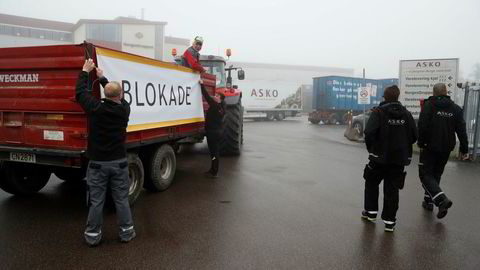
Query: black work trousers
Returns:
{"type": "Point", "coordinates": [430, 170]}
{"type": "Point", "coordinates": [213, 140]}
{"type": "Point", "coordinates": [393, 178]}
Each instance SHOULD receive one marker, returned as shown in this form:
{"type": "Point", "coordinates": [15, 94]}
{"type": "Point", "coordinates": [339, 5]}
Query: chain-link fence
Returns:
{"type": "Point", "coordinates": [471, 110]}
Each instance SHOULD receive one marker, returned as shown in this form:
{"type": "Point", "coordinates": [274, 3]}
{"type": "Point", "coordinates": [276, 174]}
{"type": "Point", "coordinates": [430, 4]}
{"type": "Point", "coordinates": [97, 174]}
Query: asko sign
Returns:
{"type": "Point", "coordinates": [417, 78]}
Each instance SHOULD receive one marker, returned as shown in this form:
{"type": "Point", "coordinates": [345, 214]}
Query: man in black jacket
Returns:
{"type": "Point", "coordinates": [214, 127]}
{"type": "Point", "coordinates": [439, 120]}
{"type": "Point", "coordinates": [108, 121]}
{"type": "Point", "coordinates": [389, 136]}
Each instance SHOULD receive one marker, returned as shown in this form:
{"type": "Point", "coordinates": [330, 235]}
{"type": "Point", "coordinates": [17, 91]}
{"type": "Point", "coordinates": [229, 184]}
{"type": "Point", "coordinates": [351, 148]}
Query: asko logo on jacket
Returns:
{"type": "Point", "coordinates": [396, 122]}
{"type": "Point", "coordinates": [444, 114]}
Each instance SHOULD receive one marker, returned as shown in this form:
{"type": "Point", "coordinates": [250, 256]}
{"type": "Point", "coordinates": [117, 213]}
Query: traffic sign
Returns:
{"type": "Point", "coordinates": [363, 95]}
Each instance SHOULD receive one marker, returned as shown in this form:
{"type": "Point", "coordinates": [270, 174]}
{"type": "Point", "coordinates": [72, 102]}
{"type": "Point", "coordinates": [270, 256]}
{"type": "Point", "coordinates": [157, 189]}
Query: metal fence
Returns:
{"type": "Point", "coordinates": [471, 110]}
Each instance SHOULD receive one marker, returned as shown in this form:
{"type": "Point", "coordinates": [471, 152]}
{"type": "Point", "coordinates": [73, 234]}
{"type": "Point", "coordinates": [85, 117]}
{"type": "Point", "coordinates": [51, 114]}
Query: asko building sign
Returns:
{"type": "Point", "coordinates": [417, 78]}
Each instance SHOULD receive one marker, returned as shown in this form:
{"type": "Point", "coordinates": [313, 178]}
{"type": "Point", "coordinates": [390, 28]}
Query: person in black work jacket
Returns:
{"type": "Point", "coordinates": [439, 120]}
{"type": "Point", "coordinates": [108, 120]}
{"type": "Point", "coordinates": [214, 127]}
{"type": "Point", "coordinates": [389, 136]}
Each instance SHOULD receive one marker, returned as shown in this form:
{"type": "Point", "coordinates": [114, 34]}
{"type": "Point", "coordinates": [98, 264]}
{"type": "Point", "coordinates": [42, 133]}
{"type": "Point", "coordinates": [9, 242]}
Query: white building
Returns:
{"type": "Point", "coordinates": [141, 37]}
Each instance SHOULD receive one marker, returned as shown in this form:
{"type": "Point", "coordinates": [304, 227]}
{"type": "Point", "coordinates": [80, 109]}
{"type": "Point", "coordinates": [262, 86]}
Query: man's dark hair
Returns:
{"type": "Point", "coordinates": [391, 93]}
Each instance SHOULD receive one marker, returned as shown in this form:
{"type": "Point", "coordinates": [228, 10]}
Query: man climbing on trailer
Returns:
{"type": "Point", "coordinates": [214, 127]}
{"type": "Point", "coordinates": [191, 56]}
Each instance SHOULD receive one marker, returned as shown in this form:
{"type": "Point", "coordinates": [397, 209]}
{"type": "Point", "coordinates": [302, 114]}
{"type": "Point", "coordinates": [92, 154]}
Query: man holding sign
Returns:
{"type": "Point", "coordinates": [108, 121]}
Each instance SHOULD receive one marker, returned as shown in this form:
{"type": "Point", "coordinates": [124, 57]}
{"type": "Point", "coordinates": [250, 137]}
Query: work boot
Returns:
{"type": "Point", "coordinates": [369, 215]}
{"type": "Point", "coordinates": [443, 207]}
{"type": "Point", "coordinates": [389, 225]}
{"type": "Point", "coordinates": [427, 205]}
{"type": "Point", "coordinates": [127, 234]}
{"type": "Point", "coordinates": [92, 238]}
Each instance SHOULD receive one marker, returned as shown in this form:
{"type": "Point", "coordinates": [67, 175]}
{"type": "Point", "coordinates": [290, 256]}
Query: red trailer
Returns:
{"type": "Point", "coordinates": [43, 130]}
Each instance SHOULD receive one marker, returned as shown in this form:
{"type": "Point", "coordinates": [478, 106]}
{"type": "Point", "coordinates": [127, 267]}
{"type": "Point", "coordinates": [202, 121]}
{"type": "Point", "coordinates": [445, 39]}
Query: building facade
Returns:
{"type": "Point", "coordinates": [140, 37]}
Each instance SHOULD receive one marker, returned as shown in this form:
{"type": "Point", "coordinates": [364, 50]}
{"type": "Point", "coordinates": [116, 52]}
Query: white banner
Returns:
{"type": "Point", "coordinates": [160, 94]}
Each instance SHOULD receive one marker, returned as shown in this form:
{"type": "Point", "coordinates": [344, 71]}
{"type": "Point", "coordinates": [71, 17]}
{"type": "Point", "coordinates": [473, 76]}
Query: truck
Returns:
{"type": "Point", "coordinates": [275, 91]}
{"type": "Point", "coordinates": [334, 97]}
{"type": "Point", "coordinates": [43, 130]}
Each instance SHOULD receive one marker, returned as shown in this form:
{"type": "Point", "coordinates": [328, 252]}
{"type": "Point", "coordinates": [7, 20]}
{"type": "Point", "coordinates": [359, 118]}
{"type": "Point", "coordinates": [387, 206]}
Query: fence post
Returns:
{"type": "Point", "coordinates": [475, 131]}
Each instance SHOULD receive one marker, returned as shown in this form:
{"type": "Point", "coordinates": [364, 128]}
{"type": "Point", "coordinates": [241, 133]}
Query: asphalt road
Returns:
{"type": "Point", "coordinates": [292, 200]}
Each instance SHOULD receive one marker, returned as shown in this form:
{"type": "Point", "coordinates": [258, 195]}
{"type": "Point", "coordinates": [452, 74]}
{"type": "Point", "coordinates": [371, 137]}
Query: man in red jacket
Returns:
{"type": "Point", "coordinates": [191, 56]}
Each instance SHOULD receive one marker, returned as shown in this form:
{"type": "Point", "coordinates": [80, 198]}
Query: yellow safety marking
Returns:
{"type": "Point", "coordinates": [141, 60]}
{"type": "Point", "coordinates": [138, 127]}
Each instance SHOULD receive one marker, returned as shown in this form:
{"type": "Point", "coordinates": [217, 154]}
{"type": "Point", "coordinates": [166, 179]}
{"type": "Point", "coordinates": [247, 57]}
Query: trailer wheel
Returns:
{"type": "Point", "coordinates": [314, 121]}
{"type": "Point", "coordinates": [161, 169]}
{"type": "Point", "coordinates": [280, 116]}
{"type": "Point", "coordinates": [3, 183]}
{"type": "Point", "coordinates": [231, 141]}
{"type": "Point", "coordinates": [332, 120]}
{"type": "Point", "coordinates": [270, 116]}
{"type": "Point", "coordinates": [69, 174]}
{"type": "Point", "coordinates": [23, 179]}
{"type": "Point", "coordinates": [135, 177]}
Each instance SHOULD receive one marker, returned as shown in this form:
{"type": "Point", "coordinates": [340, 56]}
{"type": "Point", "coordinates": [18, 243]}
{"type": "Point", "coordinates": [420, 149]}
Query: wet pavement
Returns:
{"type": "Point", "coordinates": [292, 200]}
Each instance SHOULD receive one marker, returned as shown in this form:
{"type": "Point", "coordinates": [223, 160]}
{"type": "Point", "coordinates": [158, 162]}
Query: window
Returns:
{"type": "Point", "coordinates": [34, 33]}
{"type": "Point", "coordinates": [104, 32]}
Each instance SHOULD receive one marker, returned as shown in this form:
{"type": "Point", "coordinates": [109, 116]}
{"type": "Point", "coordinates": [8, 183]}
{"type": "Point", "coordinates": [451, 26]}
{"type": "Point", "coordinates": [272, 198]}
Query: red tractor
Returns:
{"type": "Point", "coordinates": [232, 139]}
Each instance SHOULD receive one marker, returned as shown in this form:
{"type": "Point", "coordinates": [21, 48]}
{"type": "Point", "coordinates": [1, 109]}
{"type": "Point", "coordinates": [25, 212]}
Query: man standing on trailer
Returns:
{"type": "Point", "coordinates": [108, 120]}
{"type": "Point", "coordinates": [439, 120]}
{"type": "Point", "coordinates": [389, 136]}
{"type": "Point", "coordinates": [191, 56]}
{"type": "Point", "coordinates": [214, 127]}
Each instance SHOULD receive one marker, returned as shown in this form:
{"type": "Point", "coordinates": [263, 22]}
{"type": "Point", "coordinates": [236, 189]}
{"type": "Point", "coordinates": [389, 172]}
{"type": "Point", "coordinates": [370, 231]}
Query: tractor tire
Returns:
{"type": "Point", "coordinates": [231, 141]}
{"type": "Point", "coordinates": [69, 174]}
{"type": "Point", "coordinates": [23, 179]}
{"type": "Point", "coordinates": [161, 169]}
{"type": "Point", "coordinates": [135, 177]}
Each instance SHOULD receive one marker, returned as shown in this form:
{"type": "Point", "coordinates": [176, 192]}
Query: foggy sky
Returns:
{"type": "Point", "coordinates": [371, 34]}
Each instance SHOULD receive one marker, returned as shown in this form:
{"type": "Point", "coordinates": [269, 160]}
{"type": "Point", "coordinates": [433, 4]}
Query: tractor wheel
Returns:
{"type": "Point", "coordinates": [22, 178]}
{"type": "Point", "coordinates": [231, 141]}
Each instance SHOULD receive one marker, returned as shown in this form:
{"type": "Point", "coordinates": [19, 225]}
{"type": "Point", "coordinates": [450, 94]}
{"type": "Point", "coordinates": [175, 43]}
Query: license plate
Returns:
{"type": "Point", "coordinates": [22, 157]}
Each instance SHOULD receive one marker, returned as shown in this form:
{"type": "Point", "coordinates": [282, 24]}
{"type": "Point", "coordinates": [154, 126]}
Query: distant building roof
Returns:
{"type": "Point", "coordinates": [36, 23]}
{"type": "Point", "coordinates": [119, 20]}
{"type": "Point", "coordinates": [177, 41]}
{"type": "Point", "coordinates": [290, 67]}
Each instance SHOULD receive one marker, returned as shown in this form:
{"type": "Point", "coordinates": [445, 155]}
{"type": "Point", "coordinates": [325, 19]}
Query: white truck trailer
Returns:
{"type": "Point", "coordinates": [274, 91]}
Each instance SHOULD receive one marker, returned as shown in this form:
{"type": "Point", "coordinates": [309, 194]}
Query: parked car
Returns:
{"type": "Point", "coordinates": [358, 120]}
